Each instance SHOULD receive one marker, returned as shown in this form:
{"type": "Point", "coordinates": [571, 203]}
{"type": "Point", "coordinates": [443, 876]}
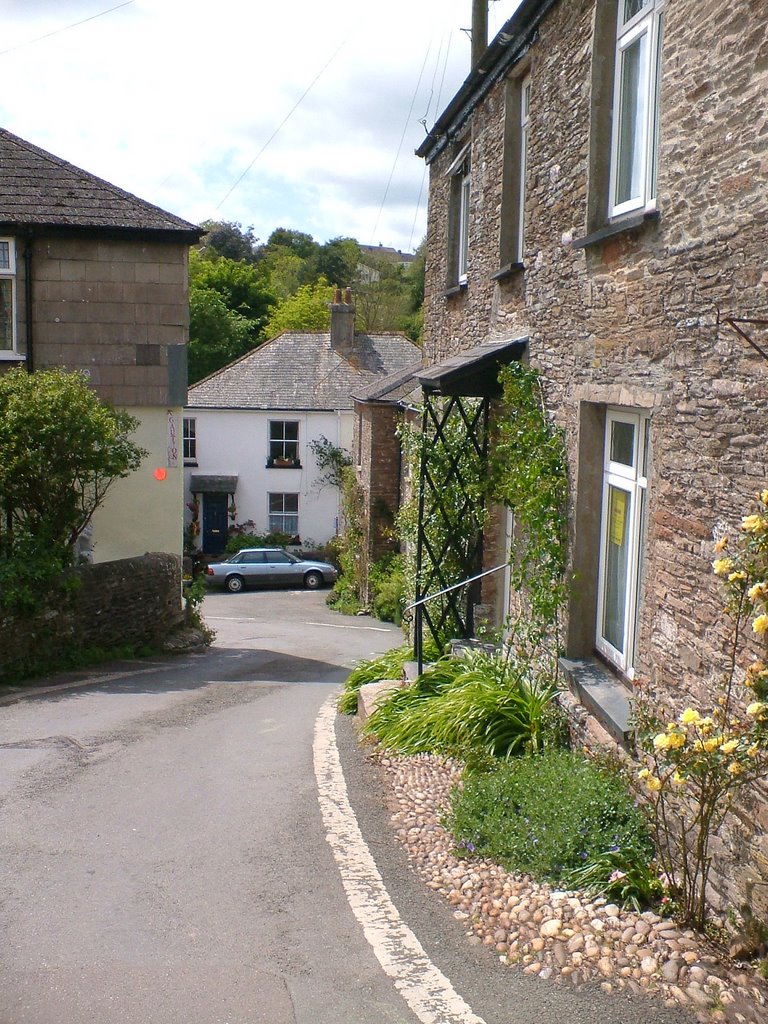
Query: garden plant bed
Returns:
{"type": "Point", "coordinates": [555, 935]}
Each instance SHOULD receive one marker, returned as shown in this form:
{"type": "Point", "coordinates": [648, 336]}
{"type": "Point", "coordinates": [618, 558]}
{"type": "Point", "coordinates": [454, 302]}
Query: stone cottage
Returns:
{"type": "Point", "coordinates": [598, 207]}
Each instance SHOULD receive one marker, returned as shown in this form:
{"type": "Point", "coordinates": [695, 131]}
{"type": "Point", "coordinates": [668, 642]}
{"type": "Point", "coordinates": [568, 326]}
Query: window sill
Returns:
{"type": "Point", "coordinates": [190, 462]}
{"type": "Point", "coordinates": [12, 357]}
{"type": "Point", "coordinates": [455, 289]}
{"type": "Point", "coordinates": [603, 694]}
{"type": "Point", "coordinates": [284, 465]}
{"type": "Point", "coordinates": [507, 271]}
{"type": "Point", "coordinates": [616, 227]}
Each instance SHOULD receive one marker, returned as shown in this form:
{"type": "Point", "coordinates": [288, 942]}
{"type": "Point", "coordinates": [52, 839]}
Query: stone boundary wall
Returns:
{"type": "Point", "coordinates": [132, 601]}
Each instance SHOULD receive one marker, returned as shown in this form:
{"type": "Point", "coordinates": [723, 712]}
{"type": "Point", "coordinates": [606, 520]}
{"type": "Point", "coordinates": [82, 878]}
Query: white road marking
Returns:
{"type": "Point", "coordinates": [341, 625]}
{"type": "Point", "coordinates": [425, 989]}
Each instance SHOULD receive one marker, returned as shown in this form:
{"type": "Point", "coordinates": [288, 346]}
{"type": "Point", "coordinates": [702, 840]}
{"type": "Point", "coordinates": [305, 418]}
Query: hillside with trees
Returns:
{"type": "Point", "coordinates": [242, 292]}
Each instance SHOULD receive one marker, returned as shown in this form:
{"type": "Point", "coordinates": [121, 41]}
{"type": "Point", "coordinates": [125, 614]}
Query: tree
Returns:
{"type": "Point", "coordinates": [228, 306]}
{"type": "Point", "coordinates": [338, 261]}
{"type": "Point", "coordinates": [298, 242]}
{"type": "Point", "coordinates": [307, 310]}
{"type": "Point", "coordinates": [224, 238]}
{"type": "Point", "coordinates": [61, 449]}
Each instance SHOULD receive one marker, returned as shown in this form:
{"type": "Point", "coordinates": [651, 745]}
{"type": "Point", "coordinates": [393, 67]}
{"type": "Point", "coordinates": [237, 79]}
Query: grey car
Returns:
{"type": "Point", "coordinates": [266, 567]}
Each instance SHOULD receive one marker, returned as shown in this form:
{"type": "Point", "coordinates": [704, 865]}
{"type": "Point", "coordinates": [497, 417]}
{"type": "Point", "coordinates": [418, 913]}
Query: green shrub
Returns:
{"type": "Point", "coordinates": [547, 815]}
{"type": "Point", "coordinates": [472, 702]}
{"type": "Point", "coordinates": [387, 666]}
{"type": "Point", "coordinates": [386, 580]}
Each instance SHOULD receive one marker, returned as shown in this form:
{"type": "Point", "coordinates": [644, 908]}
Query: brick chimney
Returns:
{"type": "Point", "coordinates": [343, 322]}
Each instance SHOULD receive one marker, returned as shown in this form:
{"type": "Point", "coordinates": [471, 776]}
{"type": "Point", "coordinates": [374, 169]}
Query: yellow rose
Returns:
{"type": "Point", "coordinates": [764, 497]}
{"type": "Point", "coordinates": [734, 768]}
{"type": "Point", "coordinates": [676, 740]}
{"type": "Point", "coordinates": [706, 725]}
{"type": "Point", "coordinates": [756, 709]}
{"type": "Point", "coordinates": [690, 717]}
{"type": "Point", "coordinates": [729, 746]}
{"type": "Point", "coordinates": [722, 566]}
{"type": "Point", "coordinates": [760, 625]}
{"type": "Point", "coordinates": [757, 591]}
{"type": "Point", "coordinates": [721, 545]}
{"type": "Point", "coordinates": [754, 750]}
{"type": "Point", "coordinates": [678, 779]}
{"type": "Point", "coordinates": [643, 773]}
{"type": "Point", "coordinates": [661, 742]}
{"type": "Point", "coordinates": [653, 783]}
{"type": "Point", "coordinates": [711, 744]}
{"type": "Point", "coordinates": [754, 524]}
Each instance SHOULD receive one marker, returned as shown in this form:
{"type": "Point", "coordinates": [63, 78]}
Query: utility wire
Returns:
{"type": "Point", "coordinates": [298, 102]}
{"type": "Point", "coordinates": [65, 28]}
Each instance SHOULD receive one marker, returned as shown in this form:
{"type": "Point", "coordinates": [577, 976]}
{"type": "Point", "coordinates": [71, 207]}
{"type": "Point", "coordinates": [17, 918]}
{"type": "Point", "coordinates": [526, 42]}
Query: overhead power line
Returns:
{"type": "Point", "coordinates": [65, 28]}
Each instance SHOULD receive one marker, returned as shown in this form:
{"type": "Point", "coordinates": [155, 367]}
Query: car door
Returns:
{"type": "Point", "coordinates": [280, 568]}
{"type": "Point", "coordinates": [253, 567]}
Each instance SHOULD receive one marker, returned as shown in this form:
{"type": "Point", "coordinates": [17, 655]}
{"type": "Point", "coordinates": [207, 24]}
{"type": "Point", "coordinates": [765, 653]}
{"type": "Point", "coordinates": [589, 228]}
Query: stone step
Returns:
{"type": "Point", "coordinates": [369, 695]}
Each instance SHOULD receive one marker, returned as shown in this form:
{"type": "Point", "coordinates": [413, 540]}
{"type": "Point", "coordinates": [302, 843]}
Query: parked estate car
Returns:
{"type": "Point", "coordinates": [254, 567]}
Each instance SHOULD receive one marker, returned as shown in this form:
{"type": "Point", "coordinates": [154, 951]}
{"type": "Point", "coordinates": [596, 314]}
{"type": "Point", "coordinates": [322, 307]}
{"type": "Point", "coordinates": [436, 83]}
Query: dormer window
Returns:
{"type": "Point", "coordinates": [7, 296]}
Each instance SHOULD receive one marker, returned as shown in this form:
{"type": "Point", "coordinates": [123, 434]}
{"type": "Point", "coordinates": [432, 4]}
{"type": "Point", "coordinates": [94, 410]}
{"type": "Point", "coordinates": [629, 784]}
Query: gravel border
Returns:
{"type": "Point", "coordinates": [562, 936]}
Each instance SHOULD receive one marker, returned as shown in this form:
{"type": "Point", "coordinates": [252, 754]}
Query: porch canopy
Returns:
{"type": "Point", "coordinates": [449, 547]}
{"type": "Point", "coordinates": [199, 484]}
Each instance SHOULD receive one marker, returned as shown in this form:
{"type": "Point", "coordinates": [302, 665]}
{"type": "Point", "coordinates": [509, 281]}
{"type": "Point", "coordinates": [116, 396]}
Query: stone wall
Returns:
{"type": "Point", "coordinates": [130, 602]}
{"type": "Point", "coordinates": [636, 320]}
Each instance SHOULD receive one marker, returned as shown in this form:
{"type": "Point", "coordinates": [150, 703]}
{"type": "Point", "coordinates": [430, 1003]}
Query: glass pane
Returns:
{"type": "Point", "coordinates": [632, 115]}
{"type": "Point", "coordinates": [6, 314]}
{"type": "Point", "coordinates": [623, 443]}
{"type": "Point", "coordinates": [464, 227]}
{"type": "Point", "coordinates": [633, 7]}
{"type": "Point", "coordinates": [616, 567]}
{"type": "Point", "coordinates": [5, 255]}
{"type": "Point", "coordinates": [292, 431]}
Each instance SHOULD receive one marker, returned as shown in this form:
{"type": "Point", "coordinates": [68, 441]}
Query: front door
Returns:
{"type": "Point", "coordinates": [214, 523]}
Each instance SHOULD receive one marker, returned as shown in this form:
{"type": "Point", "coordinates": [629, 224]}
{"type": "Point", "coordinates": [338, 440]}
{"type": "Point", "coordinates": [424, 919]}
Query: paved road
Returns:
{"type": "Point", "coordinates": [164, 858]}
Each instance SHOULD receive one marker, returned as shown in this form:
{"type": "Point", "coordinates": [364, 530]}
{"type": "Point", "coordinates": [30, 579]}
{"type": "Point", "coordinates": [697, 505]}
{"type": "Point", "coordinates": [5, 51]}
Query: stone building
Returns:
{"type": "Point", "coordinates": [598, 203]}
{"type": "Point", "coordinates": [94, 279]}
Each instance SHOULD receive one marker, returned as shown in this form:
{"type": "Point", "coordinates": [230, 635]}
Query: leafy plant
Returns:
{"type": "Point", "coordinates": [331, 462]}
{"type": "Point", "coordinates": [346, 593]}
{"type": "Point", "coordinates": [546, 814]}
{"type": "Point", "coordinates": [622, 874]}
{"type": "Point", "coordinates": [387, 666]}
{"type": "Point", "coordinates": [471, 702]}
{"type": "Point", "coordinates": [387, 583]}
{"type": "Point", "coordinates": [237, 541]}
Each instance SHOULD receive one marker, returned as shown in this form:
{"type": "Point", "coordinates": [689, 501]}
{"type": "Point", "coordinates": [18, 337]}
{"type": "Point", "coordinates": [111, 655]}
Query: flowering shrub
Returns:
{"type": "Point", "coordinates": [696, 764]}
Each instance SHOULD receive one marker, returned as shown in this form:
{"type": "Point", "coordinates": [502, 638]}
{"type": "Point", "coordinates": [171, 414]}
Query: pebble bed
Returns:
{"type": "Point", "coordinates": [561, 936]}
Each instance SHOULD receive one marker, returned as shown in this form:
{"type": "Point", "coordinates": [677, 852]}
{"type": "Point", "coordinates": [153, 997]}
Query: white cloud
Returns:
{"type": "Point", "coordinates": [174, 99]}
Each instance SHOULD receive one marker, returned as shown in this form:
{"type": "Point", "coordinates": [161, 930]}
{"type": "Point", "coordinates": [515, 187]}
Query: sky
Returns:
{"type": "Point", "coordinates": [295, 113]}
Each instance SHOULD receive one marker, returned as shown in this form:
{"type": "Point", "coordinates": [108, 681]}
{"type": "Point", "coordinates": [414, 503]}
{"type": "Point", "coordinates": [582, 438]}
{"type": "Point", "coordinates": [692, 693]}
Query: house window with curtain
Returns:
{"type": "Point", "coordinates": [625, 482]}
{"type": "Point", "coordinates": [283, 443]}
{"type": "Point", "coordinates": [284, 514]}
{"type": "Point", "coordinates": [7, 296]}
{"type": "Point", "coordinates": [635, 129]}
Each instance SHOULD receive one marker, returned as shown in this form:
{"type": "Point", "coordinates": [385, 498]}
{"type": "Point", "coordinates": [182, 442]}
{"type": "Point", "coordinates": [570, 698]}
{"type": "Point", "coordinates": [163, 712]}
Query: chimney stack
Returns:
{"type": "Point", "coordinates": [479, 30]}
{"type": "Point", "coordinates": [343, 322]}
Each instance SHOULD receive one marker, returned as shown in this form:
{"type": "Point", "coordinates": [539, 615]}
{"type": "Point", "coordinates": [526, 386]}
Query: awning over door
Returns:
{"type": "Point", "coordinates": [473, 373]}
{"type": "Point", "coordinates": [199, 484]}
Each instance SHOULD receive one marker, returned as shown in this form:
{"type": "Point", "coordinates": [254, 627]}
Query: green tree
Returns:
{"type": "Point", "coordinates": [228, 306]}
{"type": "Point", "coordinates": [307, 310]}
{"type": "Point", "coordinates": [224, 238]}
{"type": "Point", "coordinates": [338, 261]}
{"type": "Point", "coordinates": [61, 449]}
{"type": "Point", "coordinates": [298, 242]}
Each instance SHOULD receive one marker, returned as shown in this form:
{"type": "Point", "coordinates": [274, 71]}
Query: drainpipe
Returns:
{"type": "Point", "coordinates": [30, 362]}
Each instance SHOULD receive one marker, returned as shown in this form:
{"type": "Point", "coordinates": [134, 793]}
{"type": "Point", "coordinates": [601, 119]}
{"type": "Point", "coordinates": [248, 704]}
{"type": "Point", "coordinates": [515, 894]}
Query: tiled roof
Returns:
{"type": "Point", "coordinates": [395, 387]}
{"type": "Point", "coordinates": [302, 371]}
{"type": "Point", "coordinates": [38, 188]}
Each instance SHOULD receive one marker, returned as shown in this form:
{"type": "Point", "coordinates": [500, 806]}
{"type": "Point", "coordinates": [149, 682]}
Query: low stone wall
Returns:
{"type": "Point", "coordinates": [132, 601]}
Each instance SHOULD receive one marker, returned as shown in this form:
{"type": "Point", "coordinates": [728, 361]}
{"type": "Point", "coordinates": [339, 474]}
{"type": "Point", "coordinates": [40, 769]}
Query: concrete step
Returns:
{"type": "Point", "coordinates": [369, 695]}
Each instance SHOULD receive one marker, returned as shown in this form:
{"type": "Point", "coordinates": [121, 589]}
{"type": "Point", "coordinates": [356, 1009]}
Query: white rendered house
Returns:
{"type": "Point", "coordinates": [249, 427]}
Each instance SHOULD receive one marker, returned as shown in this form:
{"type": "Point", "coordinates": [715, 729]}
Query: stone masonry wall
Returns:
{"type": "Point", "coordinates": [637, 320]}
{"type": "Point", "coordinates": [110, 308]}
{"type": "Point", "coordinates": [133, 601]}
{"type": "Point", "coordinates": [379, 477]}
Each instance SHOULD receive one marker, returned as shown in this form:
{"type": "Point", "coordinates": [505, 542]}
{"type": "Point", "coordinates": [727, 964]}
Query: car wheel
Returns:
{"type": "Point", "coordinates": [235, 584]}
{"type": "Point", "coordinates": [313, 580]}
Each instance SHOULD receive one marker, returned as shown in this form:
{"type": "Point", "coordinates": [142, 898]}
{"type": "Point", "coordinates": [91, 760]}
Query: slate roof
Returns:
{"type": "Point", "coordinates": [38, 188]}
{"type": "Point", "coordinates": [395, 387]}
{"type": "Point", "coordinates": [302, 372]}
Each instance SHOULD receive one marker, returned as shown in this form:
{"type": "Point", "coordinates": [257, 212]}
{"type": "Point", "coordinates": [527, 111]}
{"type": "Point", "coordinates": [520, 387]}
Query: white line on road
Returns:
{"type": "Point", "coordinates": [426, 989]}
{"type": "Point", "coordinates": [337, 625]}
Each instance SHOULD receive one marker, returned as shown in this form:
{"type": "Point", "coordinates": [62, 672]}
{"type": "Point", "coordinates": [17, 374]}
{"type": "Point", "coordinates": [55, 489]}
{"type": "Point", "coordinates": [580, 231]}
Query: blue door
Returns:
{"type": "Point", "coordinates": [214, 523]}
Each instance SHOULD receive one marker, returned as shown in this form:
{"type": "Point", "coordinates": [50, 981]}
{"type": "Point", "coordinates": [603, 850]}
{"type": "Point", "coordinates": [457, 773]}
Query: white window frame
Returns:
{"type": "Point", "coordinates": [283, 495]}
{"type": "Point", "coordinates": [633, 481]}
{"type": "Point", "coordinates": [9, 274]}
{"type": "Point", "coordinates": [460, 170]}
{"type": "Point", "coordinates": [648, 23]}
{"type": "Point", "coordinates": [525, 106]}
{"type": "Point", "coordinates": [283, 441]}
{"type": "Point", "coordinates": [189, 439]}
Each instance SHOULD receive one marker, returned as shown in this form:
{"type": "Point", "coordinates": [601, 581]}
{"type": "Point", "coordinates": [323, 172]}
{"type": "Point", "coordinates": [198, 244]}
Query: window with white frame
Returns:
{"type": "Point", "coordinates": [637, 72]}
{"type": "Point", "coordinates": [284, 514]}
{"type": "Point", "coordinates": [189, 440]}
{"type": "Point", "coordinates": [459, 172]}
{"type": "Point", "coordinates": [525, 105]}
{"type": "Point", "coordinates": [625, 481]}
{"type": "Point", "coordinates": [7, 295]}
{"type": "Point", "coordinates": [284, 441]}
{"type": "Point", "coordinates": [514, 173]}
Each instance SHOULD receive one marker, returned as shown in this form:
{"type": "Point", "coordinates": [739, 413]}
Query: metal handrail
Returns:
{"type": "Point", "coordinates": [431, 597]}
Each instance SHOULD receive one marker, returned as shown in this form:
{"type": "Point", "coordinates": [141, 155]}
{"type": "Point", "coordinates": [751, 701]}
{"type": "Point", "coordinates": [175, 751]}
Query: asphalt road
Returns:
{"type": "Point", "coordinates": [164, 860]}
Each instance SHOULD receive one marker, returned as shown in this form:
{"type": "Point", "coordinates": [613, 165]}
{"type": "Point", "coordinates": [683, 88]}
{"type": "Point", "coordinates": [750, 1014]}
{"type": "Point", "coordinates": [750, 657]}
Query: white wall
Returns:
{"type": "Point", "coordinates": [236, 443]}
{"type": "Point", "coordinates": [142, 513]}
